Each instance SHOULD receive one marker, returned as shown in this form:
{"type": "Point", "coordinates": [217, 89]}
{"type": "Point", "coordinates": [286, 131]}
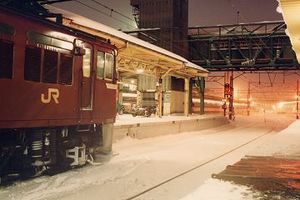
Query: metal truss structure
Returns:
{"type": "Point", "coordinates": [242, 47]}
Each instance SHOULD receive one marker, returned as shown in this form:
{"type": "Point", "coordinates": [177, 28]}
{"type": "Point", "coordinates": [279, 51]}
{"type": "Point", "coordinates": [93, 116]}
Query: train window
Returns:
{"type": "Point", "coordinates": [32, 68]}
{"type": "Point", "coordinates": [100, 65]}
{"type": "Point", "coordinates": [86, 67]}
{"type": "Point", "coordinates": [109, 66]}
{"type": "Point", "coordinates": [50, 66]}
{"type": "Point", "coordinates": [6, 59]}
{"type": "Point", "coordinates": [65, 69]}
{"type": "Point", "coordinates": [38, 38]}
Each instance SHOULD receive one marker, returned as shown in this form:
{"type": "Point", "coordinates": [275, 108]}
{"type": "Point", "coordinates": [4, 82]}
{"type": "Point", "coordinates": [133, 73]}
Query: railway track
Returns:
{"type": "Point", "coordinates": [196, 167]}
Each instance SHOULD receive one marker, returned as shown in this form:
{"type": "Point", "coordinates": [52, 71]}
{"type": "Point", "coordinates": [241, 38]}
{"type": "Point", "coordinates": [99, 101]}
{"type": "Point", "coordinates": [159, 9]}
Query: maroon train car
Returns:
{"type": "Point", "coordinates": [58, 91]}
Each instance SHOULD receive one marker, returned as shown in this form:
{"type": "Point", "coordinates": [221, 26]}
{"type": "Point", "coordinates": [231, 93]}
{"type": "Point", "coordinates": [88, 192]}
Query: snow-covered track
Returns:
{"type": "Point", "coordinates": [197, 167]}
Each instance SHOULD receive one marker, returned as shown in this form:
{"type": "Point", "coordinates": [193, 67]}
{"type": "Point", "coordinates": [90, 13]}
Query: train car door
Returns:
{"type": "Point", "coordinates": [87, 79]}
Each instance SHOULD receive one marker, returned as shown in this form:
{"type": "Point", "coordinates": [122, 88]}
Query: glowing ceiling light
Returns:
{"type": "Point", "coordinates": [139, 70]}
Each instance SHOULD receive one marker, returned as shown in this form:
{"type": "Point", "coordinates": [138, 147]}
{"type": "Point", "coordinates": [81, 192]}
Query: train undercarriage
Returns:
{"type": "Point", "coordinates": [26, 153]}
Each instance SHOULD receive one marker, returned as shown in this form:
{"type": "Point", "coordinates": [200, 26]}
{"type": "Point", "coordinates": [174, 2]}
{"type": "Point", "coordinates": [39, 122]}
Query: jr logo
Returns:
{"type": "Point", "coordinates": [53, 93]}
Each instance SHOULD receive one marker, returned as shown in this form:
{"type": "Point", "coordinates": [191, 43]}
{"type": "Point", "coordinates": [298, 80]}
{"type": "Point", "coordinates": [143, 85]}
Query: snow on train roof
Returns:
{"type": "Point", "coordinates": [111, 31]}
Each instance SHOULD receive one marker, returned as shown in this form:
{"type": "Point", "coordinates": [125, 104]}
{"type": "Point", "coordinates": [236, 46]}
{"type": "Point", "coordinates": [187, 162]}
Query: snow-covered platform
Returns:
{"type": "Point", "coordinates": [145, 127]}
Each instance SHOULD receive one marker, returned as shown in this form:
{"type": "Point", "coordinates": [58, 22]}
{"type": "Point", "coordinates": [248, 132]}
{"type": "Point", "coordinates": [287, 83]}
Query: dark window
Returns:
{"type": "Point", "coordinates": [65, 69]}
{"type": "Point", "coordinates": [50, 67]}
{"type": "Point", "coordinates": [6, 59]}
{"type": "Point", "coordinates": [177, 84]}
{"type": "Point", "coordinates": [32, 68]}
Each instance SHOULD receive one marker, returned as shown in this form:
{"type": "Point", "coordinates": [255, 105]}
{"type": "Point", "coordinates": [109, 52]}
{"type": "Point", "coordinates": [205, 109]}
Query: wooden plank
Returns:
{"type": "Point", "coordinates": [265, 173]}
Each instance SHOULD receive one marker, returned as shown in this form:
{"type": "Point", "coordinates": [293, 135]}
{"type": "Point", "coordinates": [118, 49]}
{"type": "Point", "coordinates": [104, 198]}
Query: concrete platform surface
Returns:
{"type": "Point", "coordinates": [145, 127]}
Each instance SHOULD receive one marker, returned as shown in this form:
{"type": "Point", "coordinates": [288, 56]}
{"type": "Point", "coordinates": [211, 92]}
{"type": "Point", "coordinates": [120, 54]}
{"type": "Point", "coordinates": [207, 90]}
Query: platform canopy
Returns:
{"type": "Point", "coordinates": [290, 11]}
{"type": "Point", "coordinates": [135, 55]}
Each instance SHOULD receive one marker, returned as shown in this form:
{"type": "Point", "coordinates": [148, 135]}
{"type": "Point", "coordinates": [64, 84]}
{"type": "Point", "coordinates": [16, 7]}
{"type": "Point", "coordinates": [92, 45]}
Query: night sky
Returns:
{"type": "Point", "coordinates": [213, 12]}
{"type": "Point", "coordinates": [201, 12]}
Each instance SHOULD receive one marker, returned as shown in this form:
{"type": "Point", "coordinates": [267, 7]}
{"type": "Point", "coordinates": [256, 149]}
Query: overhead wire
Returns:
{"type": "Point", "coordinates": [238, 15]}
{"type": "Point", "coordinates": [104, 13]}
{"type": "Point", "coordinates": [124, 22]}
{"type": "Point", "coordinates": [113, 10]}
{"type": "Point", "coordinates": [237, 11]}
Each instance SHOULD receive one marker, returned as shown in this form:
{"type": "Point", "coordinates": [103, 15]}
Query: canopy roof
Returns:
{"type": "Point", "coordinates": [135, 53]}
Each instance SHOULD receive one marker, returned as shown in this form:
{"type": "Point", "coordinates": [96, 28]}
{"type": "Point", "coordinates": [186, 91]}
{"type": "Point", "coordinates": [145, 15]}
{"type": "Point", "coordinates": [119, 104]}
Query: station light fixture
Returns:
{"type": "Point", "coordinates": [139, 70]}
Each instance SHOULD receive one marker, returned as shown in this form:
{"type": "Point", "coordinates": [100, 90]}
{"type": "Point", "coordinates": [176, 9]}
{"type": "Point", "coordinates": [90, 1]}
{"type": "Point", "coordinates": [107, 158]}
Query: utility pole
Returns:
{"type": "Point", "coordinates": [231, 108]}
{"type": "Point", "coordinates": [248, 100]}
{"type": "Point", "coordinates": [227, 92]}
{"type": "Point", "coordinates": [158, 94]}
{"type": "Point", "coordinates": [201, 83]}
{"type": "Point", "coordinates": [297, 105]}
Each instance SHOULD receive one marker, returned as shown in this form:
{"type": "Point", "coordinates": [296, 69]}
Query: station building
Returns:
{"type": "Point", "coordinates": [148, 75]}
{"type": "Point", "coordinates": [169, 20]}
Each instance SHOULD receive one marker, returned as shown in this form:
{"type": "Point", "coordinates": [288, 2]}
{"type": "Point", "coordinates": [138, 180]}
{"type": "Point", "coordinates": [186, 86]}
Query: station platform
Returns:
{"type": "Point", "coordinates": [144, 127]}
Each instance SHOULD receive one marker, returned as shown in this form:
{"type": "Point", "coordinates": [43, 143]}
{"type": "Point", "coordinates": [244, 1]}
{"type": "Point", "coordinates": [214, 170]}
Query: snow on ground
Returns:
{"type": "Point", "coordinates": [140, 164]}
{"type": "Point", "coordinates": [214, 189]}
{"type": "Point", "coordinates": [126, 119]}
{"type": "Point", "coordinates": [286, 143]}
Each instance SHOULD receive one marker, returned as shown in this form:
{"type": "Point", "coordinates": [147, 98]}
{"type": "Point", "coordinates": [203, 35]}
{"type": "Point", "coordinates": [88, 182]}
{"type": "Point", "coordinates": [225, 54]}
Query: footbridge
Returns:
{"type": "Point", "coordinates": [260, 46]}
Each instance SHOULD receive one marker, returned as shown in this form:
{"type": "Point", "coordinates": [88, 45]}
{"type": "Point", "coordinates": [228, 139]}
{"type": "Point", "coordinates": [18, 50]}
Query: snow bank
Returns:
{"type": "Point", "coordinates": [214, 189]}
{"type": "Point", "coordinates": [284, 143]}
{"type": "Point", "coordinates": [58, 186]}
{"type": "Point", "coordinates": [293, 129]}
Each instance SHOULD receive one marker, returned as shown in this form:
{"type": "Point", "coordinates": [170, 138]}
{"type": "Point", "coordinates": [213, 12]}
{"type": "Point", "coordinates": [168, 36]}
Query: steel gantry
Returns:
{"type": "Point", "coordinates": [242, 47]}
